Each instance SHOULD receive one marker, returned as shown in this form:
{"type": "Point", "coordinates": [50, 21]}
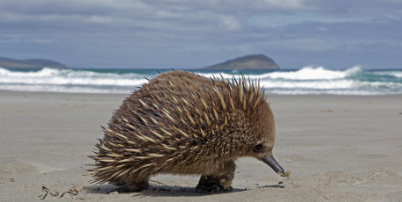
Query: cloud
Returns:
{"type": "Point", "coordinates": [277, 20]}
{"type": "Point", "coordinates": [288, 4]}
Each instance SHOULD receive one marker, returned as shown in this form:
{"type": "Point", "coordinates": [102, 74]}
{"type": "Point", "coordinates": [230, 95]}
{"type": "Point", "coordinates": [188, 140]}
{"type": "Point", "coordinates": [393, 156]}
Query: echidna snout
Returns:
{"type": "Point", "coordinates": [183, 123]}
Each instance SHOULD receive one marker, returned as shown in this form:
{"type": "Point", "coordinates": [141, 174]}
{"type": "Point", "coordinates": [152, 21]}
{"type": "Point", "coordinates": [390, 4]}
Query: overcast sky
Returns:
{"type": "Point", "coordinates": [187, 34]}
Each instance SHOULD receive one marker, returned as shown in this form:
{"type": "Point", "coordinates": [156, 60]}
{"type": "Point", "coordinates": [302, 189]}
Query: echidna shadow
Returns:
{"type": "Point", "coordinates": [183, 123]}
{"type": "Point", "coordinates": [158, 190]}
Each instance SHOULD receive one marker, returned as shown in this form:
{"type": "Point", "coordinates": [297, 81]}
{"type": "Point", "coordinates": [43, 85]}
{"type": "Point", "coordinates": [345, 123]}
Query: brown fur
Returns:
{"type": "Point", "coordinates": [183, 123]}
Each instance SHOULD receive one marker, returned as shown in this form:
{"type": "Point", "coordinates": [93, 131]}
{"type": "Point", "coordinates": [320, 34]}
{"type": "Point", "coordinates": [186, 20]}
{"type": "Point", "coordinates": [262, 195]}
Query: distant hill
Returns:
{"type": "Point", "coordinates": [256, 62]}
{"type": "Point", "coordinates": [30, 63]}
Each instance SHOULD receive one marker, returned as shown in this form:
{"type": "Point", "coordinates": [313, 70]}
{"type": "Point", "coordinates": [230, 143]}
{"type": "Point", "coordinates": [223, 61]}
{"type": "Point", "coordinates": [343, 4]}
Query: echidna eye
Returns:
{"type": "Point", "coordinates": [257, 148]}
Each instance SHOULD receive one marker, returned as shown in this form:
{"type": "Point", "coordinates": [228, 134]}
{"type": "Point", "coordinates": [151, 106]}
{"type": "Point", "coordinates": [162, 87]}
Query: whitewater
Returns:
{"type": "Point", "coordinates": [307, 80]}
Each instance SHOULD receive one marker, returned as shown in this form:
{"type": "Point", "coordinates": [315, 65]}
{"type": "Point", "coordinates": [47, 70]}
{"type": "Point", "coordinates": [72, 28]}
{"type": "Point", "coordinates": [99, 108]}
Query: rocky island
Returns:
{"type": "Point", "coordinates": [30, 63]}
{"type": "Point", "coordinates": [252, 62]}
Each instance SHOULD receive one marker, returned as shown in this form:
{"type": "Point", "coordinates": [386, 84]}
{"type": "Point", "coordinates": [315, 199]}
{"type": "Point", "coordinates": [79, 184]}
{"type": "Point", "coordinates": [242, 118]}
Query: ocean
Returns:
{"type": "Point", "coordinates": [307, 80]}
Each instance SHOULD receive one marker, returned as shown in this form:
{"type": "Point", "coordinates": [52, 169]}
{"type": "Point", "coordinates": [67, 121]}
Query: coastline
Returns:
{"type": "Point", "coordinates": [337, 147]}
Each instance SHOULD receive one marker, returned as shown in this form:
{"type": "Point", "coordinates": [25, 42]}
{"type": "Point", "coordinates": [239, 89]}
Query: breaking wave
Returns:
{"type": "Point", "coordinates": [308, 80]}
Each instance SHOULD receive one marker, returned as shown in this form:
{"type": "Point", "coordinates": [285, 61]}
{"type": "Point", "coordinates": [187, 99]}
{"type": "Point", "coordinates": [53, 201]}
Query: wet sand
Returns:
{"type": "Point", "coordinates": [338, 148]}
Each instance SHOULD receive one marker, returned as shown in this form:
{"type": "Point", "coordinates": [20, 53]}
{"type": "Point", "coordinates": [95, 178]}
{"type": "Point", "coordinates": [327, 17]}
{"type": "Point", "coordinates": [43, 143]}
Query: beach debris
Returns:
{"type": "Point", "coordinates": [287, 173]}
{"type": "Point", "coordinates": [71, 191]}
{"type": "Point", "coordinates": [12, 180]}
{"type": "Point", "coordinates": [48, 192]}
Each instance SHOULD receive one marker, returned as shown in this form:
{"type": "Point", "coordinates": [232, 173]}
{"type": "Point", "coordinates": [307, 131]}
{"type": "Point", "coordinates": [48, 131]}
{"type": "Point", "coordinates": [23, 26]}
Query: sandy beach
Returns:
{"type": "Point", "coordinates": [338, 148]}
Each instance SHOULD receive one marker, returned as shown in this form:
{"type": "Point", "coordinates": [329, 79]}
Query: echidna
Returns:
{"type": "Point", "coordinates": [183, 123]}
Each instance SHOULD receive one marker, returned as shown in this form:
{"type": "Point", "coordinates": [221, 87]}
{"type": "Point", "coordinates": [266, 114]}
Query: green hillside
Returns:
{"type": "Point", "coordinates": [30, 63]}
{"type": "Point", "coordinates": [256, 62]}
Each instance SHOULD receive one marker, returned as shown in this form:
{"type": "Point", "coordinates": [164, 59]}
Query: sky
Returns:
{"type": "Point", "coordinates": [185, 34]}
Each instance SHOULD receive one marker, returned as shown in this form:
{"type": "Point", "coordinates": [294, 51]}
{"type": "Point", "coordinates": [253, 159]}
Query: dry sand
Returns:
{"type": "Point", "coordinates": [338, 148]}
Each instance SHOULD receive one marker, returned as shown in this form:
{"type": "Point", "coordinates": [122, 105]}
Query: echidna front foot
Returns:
{"type": "Point", "coordinates": [219, 182]}
{"type": "Point", "coordinates": [215, 184]}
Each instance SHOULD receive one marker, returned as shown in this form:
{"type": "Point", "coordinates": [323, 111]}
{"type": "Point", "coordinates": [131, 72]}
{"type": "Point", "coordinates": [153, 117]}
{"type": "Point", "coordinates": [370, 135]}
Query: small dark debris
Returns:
{"type": "Point", "coordinates": [72, 191]}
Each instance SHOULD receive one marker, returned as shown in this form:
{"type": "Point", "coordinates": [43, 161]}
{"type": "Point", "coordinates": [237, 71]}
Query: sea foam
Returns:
{"type": "Point", "coordinates": [307, 80]}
